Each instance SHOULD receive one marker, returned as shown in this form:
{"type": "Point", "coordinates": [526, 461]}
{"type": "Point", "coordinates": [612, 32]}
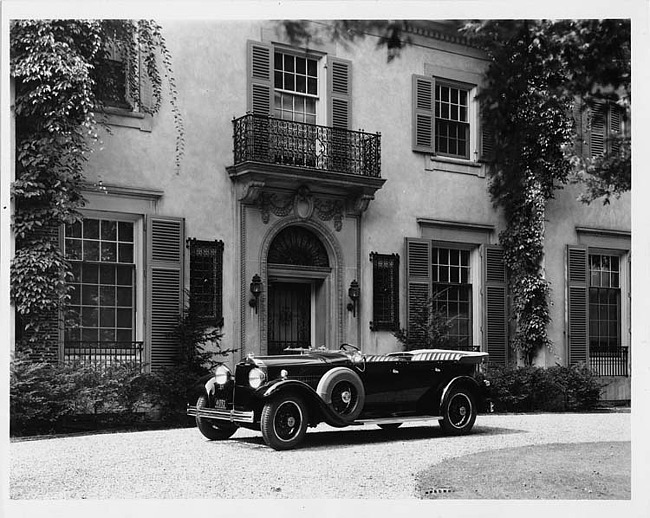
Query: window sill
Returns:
{"type": "Point", "coordinates": [125, 118]}
{"type": "Point", "coordinates": [453, 165]}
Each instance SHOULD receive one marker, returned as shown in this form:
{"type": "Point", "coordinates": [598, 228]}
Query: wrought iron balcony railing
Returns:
{"type": "Point", "coordinates": [103, 353]}
{"type": "Point", "coordinates": [259, 138]}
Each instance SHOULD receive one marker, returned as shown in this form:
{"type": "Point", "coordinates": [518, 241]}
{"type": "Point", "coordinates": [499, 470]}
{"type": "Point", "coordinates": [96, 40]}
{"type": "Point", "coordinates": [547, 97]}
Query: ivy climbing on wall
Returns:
{"type": "Point", "coordinates": [532, 127]}
{"type": "Point", "coordinates": [537, 70]}
{"type": "Point", "coordinates": [56, 66]}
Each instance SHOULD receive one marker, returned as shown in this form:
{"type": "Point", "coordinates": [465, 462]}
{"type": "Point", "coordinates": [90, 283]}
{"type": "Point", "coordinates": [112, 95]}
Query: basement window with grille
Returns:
{"type": "Point", "coordinates": [206, 279]}
{"type": "Point", "coordinates": [385, 292]}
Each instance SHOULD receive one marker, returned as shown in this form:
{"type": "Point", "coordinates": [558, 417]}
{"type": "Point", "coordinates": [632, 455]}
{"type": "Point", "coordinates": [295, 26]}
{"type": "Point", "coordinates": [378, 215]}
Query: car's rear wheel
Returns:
{"type": "Point", "coordinates": [458, 412]}
{"type": "Point", "coordinates": [284, 422]}
{"type": "Point", "coordinates": [209, 427]}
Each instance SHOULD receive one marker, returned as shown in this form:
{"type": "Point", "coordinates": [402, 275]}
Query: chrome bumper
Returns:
{"type": "Point", "coordinates": [234, 416]}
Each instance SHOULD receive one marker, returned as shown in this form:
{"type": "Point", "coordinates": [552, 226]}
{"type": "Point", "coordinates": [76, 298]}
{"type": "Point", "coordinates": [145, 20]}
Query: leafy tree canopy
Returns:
{"type": "Point", "coordinates": [534, 63]}
{"type": "Point", "coordinates": [552, 60]}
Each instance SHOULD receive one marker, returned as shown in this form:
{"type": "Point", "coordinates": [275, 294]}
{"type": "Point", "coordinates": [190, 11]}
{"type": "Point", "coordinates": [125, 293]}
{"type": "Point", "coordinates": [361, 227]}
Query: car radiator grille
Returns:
{"type": "Point", "coordinates": [241, 374]}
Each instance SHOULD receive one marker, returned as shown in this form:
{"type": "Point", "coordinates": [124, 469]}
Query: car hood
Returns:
{"type": "Point", "coordinates": [298, 360]}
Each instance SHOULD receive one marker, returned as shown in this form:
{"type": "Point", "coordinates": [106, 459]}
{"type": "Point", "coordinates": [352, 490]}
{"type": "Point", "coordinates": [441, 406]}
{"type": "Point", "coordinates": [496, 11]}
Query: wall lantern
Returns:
{"type": "Point", "coordinates": [354, 292]}
{"type": "Point", "coordinates": [256, 290]}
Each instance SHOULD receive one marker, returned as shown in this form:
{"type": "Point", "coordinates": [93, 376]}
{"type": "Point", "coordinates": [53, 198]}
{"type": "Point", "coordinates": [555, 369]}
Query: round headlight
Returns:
{"type": "Point", "coordinates": [222, 374]}
{"type": "Point", "coordinates": [256, 377]}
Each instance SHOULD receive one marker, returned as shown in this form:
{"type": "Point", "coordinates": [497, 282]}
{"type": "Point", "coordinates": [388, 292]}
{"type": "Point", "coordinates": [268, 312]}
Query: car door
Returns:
{"type": "Point", "coordinates": [389, 387]}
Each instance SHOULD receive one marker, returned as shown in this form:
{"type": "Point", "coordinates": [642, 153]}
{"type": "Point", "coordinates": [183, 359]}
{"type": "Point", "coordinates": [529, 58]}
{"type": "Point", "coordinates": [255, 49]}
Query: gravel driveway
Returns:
{"type": "Point", "coordinates": [358, 462]}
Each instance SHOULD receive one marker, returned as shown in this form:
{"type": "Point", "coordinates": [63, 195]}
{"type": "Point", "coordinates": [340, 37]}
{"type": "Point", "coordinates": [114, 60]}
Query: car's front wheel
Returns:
{"type": "Point", "coordinates": [284, 422]}
{"type": "Point", "coordinates": [209, 428]}
{"type": "Point", "coordinates": [458, 412]}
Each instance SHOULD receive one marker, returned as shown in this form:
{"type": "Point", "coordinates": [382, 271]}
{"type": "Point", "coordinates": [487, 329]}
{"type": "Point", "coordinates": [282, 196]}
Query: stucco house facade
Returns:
{"type": "Point", "coordinates": [323, 196]}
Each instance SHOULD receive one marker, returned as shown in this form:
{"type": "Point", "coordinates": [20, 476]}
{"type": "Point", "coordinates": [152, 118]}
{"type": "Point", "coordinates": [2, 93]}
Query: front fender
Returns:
{"type": "Point", "coordinates": [315, 402]}
{"type": "Point", "coordinates": [271, 389]}
{"type": "Point", "coordinates": [200, 388]}
{"type": "Point", "coordinates": [210, 386]}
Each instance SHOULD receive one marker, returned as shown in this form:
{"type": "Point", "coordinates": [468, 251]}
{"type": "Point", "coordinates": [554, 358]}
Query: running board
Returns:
{"type": "Point", "coordinates": [396, 420]}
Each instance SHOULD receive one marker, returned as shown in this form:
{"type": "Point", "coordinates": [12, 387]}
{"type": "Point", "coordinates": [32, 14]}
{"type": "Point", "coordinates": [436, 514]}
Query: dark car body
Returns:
{"type": "Point", "coordinates": [283, 395]}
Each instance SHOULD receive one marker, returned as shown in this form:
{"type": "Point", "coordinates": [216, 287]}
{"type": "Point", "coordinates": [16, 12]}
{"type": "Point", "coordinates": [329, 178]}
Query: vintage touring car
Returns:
{"type": "Point", "coordinates": [283, 395]}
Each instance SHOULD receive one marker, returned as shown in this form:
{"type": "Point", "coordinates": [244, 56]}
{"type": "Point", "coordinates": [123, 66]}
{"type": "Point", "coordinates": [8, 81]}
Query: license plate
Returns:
{"type": "Point", "coordinates": [220, 404]}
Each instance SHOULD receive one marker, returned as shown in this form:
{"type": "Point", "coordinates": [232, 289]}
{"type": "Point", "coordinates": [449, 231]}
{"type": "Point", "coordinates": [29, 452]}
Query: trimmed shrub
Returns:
{"type": "Point", "coordinates": [429, 327]}
{"type": "Point", "coordinates": [199, 346]}
{"type": "Point", "coordinates": [44, 397]}
{"type": "Point", "coordinates": [47, 398]}
{"type": "Point", "coordinates": [553, 389]}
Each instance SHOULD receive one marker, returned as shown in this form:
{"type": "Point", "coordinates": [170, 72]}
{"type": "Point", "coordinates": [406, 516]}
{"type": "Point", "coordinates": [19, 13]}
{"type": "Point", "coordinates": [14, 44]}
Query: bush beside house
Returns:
{"type": "Point", "coordinates": [538, 389]}
{"type": "Point", "coordinates": [48, 397]}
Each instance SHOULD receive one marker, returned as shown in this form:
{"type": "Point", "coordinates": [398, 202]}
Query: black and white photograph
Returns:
{"type": "Point", "coordinates": [324, 258]}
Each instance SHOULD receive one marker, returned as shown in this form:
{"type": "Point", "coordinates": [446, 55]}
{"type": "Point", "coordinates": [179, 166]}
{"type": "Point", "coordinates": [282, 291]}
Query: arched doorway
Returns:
{"type": "Point", "coordinates": [298, 281]}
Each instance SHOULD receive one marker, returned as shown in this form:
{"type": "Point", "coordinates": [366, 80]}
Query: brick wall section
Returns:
{"type": "Point", "coordinates": [44, 343]}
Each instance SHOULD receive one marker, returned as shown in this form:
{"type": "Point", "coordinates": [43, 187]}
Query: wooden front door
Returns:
{"type": "Point", "coordinates": [289, 316]}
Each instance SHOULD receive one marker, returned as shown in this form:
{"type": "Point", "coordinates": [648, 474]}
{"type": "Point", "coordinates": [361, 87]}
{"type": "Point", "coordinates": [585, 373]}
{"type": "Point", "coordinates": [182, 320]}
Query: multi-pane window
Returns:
{"type": "Point", "coordinates": [110, 72]}
{"type": "Point", "coordinates": [604, 303]}
{"type": "Point", "coordinates": [385, 292]}
{"type": "Point", "coordinates": [102, 305]}
{"type": "Point", "coordinates": [206, 279]}
{"type": "Point", "coordinates": [296, 87]}
{"type": "Point", "coordinates": [452, 121]}
{"type": "Point", "coordinates": [452, 293]}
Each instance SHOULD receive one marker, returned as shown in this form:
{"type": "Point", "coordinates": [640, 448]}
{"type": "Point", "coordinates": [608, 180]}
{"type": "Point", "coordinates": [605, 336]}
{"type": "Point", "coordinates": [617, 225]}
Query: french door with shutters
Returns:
{"type": "Point", "coordinates": [289, 314]}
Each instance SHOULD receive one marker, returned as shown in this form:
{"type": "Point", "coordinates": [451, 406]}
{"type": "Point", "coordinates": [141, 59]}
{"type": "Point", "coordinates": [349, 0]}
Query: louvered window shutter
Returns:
{"type": "Point", "coordinates": [615, 116]}
{"type": "Point", "coordinates": [487, 140]}
{"type": "Point", "coordinates": [339, 81]}
{"type": "Point", "coordinates": [423, 114]}
{"type": "Point", "coordinates": [495, 299]}
{"type": "Point", "coordinates": [418, 275]}
{"type": "Point", "coordinates": [580, 117]}
{"type": "Point", "coordinates": [260, 76]}
{"type": "Point", "coordinates": [165, 254]}
{"type": "Point", "coordinates": [578, 304]}
{"type": "Point", "coordinates": [147, 101]}
{"type": "Point", "coordinates": [597, 128]}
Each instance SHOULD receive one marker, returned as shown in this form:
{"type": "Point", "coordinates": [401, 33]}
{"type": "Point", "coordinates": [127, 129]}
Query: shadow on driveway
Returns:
{"type": "Point", "coordinates": [344, 437]}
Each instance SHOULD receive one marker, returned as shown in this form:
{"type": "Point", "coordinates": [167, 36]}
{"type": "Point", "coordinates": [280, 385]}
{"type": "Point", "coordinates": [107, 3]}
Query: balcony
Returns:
{"type": "Point", "coordinates": [284, 154]}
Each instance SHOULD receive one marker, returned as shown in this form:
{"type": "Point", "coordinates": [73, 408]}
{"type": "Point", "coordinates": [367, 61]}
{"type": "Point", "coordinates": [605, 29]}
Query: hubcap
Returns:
{"type": "Point", "coordinates": [344, 397]}
{"type": "Point", "coordinates": [460, 409]}
{"type": "Point", "coordinates": [287, 421]}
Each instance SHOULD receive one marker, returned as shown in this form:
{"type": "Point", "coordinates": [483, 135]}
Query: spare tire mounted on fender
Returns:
{"type": "Point", "coordinates": [342, 389]}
